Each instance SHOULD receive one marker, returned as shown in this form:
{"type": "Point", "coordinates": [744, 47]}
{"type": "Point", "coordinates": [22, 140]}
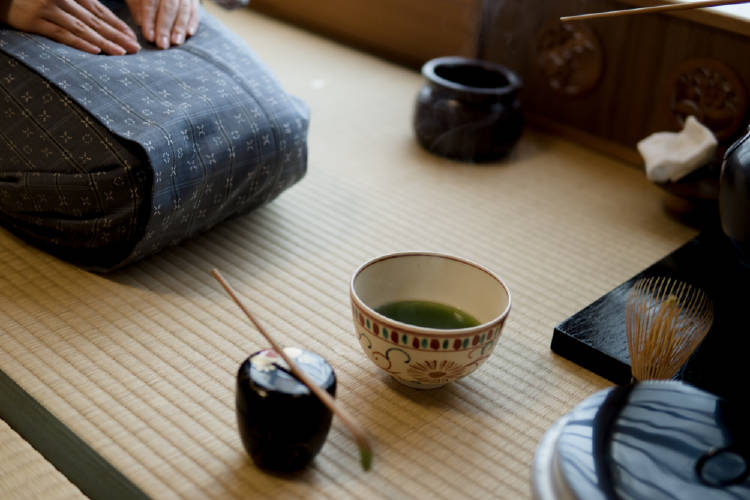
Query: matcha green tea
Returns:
{"type": "Point", "coordinates": [427, 314]}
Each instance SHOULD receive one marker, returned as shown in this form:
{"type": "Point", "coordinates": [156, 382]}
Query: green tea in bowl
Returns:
{"type": "Point", "coordinates": [425, 318]}
{"type": "Point", "coordinates": [428, 314]}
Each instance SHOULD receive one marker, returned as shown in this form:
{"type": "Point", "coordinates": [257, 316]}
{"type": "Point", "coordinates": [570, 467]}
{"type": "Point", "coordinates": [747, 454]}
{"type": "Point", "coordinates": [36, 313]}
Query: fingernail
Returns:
{"type": "Point", "coordinates": [178, 38]}
{"type": "Point", "coordinates": [132, 46]}
{"type": "Point", "coordinates": [150, 35]}
{"type": "Point", "coordinates": [163, 42]}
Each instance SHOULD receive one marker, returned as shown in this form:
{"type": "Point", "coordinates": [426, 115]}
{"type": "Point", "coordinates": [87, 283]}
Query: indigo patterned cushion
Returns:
{"type": "Point", "coordinates": [107, 159]}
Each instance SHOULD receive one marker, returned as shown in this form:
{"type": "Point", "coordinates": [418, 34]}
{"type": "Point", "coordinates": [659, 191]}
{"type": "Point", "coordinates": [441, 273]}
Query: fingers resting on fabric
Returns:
{"type": "Point", "coordinates": [90, 26]}
{"type": "Point", "coordinates": [166, 22]}
{"type": "Point", "coordinates": [84, 24]}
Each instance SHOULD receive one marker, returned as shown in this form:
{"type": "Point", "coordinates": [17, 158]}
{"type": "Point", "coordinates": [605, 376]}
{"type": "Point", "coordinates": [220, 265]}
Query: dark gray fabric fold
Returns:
{"type": "Point", "coordinates": [107, 159]}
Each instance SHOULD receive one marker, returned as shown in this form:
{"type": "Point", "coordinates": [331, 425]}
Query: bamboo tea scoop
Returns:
{"type": "Point", "coordinates": [665, 321]}
{"type": "Point", "coordinates": [650, 10]}
{"type": "Point", "coordinates": [360, 436]}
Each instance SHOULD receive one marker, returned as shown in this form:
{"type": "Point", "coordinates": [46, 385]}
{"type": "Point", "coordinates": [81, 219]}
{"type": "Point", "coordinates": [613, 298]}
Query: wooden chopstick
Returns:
{"type": "Point", "coordinates": [649, 10]}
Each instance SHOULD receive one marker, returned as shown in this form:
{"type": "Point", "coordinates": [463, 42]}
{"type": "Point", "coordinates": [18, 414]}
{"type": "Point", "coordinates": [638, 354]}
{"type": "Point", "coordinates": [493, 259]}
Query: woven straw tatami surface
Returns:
{"type": "Point", "coordinates": [141, 363]}
{"type": "Point", "coordinates": [25, 474]}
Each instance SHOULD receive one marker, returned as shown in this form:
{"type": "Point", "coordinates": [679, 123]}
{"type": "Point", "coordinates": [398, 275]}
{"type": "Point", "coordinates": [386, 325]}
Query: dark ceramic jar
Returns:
{"type": "Point", "coordinates": [283, 425]}
{"type": "Point", "coordinates": [734, 195]}
{"type": "Point", "coordinates": [468, 110]}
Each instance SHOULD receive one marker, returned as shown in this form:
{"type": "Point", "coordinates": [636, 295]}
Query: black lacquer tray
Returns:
{"type": "Point", "coordinates": [595, 337]}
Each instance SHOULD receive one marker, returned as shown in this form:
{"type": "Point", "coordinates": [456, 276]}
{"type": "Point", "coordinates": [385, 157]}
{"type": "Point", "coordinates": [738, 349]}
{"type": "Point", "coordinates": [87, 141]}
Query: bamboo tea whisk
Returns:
{"type": "Point", "coordinates": [665, 321]}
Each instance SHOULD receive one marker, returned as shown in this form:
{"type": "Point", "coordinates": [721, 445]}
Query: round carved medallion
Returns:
{"type": "Point", "coordinates": [712, 92]}
{"type": "Point", "coordinates": [570, 57]}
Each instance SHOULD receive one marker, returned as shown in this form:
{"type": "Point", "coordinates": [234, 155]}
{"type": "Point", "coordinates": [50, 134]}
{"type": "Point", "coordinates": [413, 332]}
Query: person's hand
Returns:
{"type": "Point", "coordinates": [166, 22]}
{"type": "Point", "coordinates": [83, 24]}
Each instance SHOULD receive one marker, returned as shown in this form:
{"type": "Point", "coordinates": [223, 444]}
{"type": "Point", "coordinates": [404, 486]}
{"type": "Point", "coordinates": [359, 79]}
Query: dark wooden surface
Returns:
{"type": "Point", "coordinates": [640, 57]}
{"type": "Point", "coordinates": [595, 337]}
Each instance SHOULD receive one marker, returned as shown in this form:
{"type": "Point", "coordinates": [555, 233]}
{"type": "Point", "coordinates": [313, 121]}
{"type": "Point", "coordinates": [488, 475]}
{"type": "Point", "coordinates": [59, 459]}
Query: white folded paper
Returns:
{"type": "Point", "coordinates": [670, 156]}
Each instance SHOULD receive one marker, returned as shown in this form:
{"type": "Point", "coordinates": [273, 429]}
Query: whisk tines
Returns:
{"type": "Point", "coordinates": [665, 320]}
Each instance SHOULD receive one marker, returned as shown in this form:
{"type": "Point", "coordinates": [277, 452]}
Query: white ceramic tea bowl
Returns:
{"type": "Point", "coordinates": [417, 356]}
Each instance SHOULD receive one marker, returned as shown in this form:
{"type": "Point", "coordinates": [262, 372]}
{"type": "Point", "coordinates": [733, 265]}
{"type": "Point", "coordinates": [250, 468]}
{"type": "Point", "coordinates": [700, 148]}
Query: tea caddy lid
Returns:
{"type": "Point", "coordinates": [267, 371]}
{"type": "Point", "coordinates": [662, 439]}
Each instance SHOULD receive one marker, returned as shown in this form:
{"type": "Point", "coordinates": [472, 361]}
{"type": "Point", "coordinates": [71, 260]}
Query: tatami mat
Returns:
{"type": "Point", "coordinates": [141, 363]}
{"type": "Point", "coordinates": [26, 475]}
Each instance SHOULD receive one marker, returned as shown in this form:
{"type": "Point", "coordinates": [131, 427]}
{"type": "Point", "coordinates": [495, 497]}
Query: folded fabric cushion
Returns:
{"type": "Point", "coordinates": [107, 159]}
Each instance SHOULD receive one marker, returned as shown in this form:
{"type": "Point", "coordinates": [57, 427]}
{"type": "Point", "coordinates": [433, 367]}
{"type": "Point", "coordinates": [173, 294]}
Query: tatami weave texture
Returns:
{"type": "Point", "coordinates": [141, 363]}
{"type": "Point", "coordinates": [25, 475]}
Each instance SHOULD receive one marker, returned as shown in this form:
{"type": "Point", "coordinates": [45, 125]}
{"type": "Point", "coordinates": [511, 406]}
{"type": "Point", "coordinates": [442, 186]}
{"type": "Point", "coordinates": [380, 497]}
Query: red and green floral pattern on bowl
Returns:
{"type": "Point", "coordinates": [423, 360]}
{"type": "Point", "coordinates": [425, 341]}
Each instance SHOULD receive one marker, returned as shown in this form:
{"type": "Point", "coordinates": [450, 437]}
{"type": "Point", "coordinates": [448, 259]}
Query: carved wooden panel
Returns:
{"type": "Point", "coordinates": [712, 92]}
{"type": "Point", "coordinates": [569, 57]}
{"type": "Point", "coordinates": [654, 71]}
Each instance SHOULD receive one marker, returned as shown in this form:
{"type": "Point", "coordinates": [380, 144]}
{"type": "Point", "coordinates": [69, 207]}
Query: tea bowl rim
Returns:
{"type": "Point", "coordinates": [421, 330]}
{"type": "Point", "coordinates": [514, 80]}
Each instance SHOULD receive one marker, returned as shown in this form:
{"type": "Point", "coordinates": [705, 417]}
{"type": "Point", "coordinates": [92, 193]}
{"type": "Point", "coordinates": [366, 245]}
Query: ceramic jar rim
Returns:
{"type": "Point", "coordinates": [430, 67]}
{"type": "Point", "coordinates": [431, 332]}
